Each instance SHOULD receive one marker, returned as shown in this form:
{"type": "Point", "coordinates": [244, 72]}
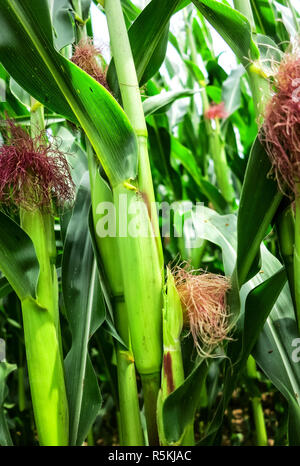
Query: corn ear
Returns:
{"type": "Point", "coordinates": [142, 277]}
{"type": "Point", "coordinates": [172, 369]}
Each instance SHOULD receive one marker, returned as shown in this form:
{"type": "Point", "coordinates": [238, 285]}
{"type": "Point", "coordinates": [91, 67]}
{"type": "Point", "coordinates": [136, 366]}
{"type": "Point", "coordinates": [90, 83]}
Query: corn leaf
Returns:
{"type": "Point", "coordinates": [5, 370]}
{"type": "Point", "coordinates": [85, 312]}
{"type": "Point", "coordinates": [28, 54]}
{"type": "Point", "coordinates": [259, 201]}
{"type": "Point", "coordinates": [5, 287]}
{"type": "Point", "coordinates": [188, 160]}
{"type": "Point", "coordinates": [232, 26]}
{"type": "Point", "coordinates": [180, 406]}
{"type": "Point", "coordinates": [160, 103]}
{"type": "Point", "coordinates": [231, 90]}
{"type": "Point", "coordinates": [18, 261]}
{"type": "Point", "coordinates": [273, 350]}
{"type": "Point", "coordinates": [63, 23]}
{"type": "Point", "coordinates": [264, 18]}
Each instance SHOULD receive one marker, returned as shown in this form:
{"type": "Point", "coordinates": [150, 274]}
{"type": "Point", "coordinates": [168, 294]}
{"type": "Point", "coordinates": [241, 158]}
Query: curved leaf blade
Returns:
{"type": "Point", "coordinates": [232, 26]}
{"type": "Point", "coordinates": [28, 54]}
{"type": "Point", "coordinates": [18, 261]}
{"type": "Point", "coordinates": [260, 199]}
{"type": "Point", "coordinates": [160, 103]}
{"type": "Point", "coordinates": [85, 312]}
{"type": "Point", "coordinates": [5, 370]}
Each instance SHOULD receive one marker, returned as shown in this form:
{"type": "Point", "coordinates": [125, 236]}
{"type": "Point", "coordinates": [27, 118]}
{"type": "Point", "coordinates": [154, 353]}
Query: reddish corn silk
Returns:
{"type": "Point", "coordinates": [281, 128]}
{"type": "Point", "coordinates": [203, 297]}
{"type": "Point", "coordinates": [216, 111]}
{"type": "Point", "coordinates": [32, 171]}
{"type": "Point", "coordinates": [85, 56]}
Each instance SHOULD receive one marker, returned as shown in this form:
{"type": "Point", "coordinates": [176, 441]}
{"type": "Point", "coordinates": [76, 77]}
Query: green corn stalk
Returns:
{"type": "Point", "coordinates": [172, 370]}
{"type": "Point", "coordinates": [41, 326]}
{"type": "Point", "coordinates": [244, 7]}
{"type": "Point", "coordinates": [258, 414]}
{"type": "Point", "coordinates": [130, 422]}
{"type": "Point", "coordinates": [140, 254]}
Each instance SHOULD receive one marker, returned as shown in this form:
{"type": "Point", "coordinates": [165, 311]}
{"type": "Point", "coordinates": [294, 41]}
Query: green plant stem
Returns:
{"type": "Point", "coordinates": [259, 82]}
{"type": "Point", "coordinates": [80, 25]}
{"type": "Point", "coordinates": [90, 438]}
{"type": "Point", "coordinates": [42, 342]}
{"type": "Point", "coordinates": [217, 151]}
{"type": "Point", "coordinates": [130, 423]}
{"type": "Point", "coordinates": [151, 385]}
{"type": "Point", "coordinates": [297, 254]}
{"type": "Point", "coordinates": [143, 291]}
{"type": "Point", "coordinates": [21, 375]}
{"type": "Point", "coordinates": [244, 7]}
{"type": "Point", "coordinates": [21, 389]}
{"type": "Point", "coordinates": [141, 257]}
{"type": "Point", "coordinates": [41, 325]}
{"type": "Point", "coordinates": [172, 370]}
{"type": "Point", "coordinates": [258, 414]}
{"type": "Point", "coordinates": [260, 89]}
{"type": "Point", "coordinates": [129, 416]}
{"type": "Point", "coordinates": [132, 103]}
{"type": "Point", "coordinates": [131, 428]}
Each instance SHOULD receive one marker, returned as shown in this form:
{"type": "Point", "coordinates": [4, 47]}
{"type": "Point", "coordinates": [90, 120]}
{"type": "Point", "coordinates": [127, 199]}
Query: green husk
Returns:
{"type": "Point", "coordinates": [141, 254]}
{"type": "Point", "coordinates": [41, 326]}
{"type": "Point", "coordinates": [172, 370]}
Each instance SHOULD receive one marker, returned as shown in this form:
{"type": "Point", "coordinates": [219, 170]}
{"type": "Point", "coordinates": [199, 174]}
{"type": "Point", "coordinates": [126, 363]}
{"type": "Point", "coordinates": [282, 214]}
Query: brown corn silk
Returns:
{"type": "Point", "coordinates": [203, 296]}
{"type": "Point", "coordinates": [281, 128]}
{"type": "Point", "coordinates": [85, 56]}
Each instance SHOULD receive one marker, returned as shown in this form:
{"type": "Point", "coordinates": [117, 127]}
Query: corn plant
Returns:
{"type": "Point", "coordinates": [149, 245]}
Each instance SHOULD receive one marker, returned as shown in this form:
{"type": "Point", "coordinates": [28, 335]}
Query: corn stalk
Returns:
{"type": "Point", "coordinates": [41, 325]}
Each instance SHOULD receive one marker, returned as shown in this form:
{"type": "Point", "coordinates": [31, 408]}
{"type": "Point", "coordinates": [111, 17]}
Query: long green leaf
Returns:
{"type": "Point", "coordinates": [264, 17]}
{"type": "Point", "coordinates": [260, 199]}
{"type": "Point", "coordinates": [232, 26]}
{"type": "Point", "coordinates": [63, 27]}
{"type": "Point", "coordinates": [5, 287]}
{"type": "Point", "coordinates": [85, 312]}
{"type": "Point", "coordinates": [18, 261]}
{"type": "Point", "coordinates": [28, 54]}
{"type": "Point", "coordinates": [187, 158]}
{"type": "Point", "coordinates": [274, 348]}
{"type": "Point", "coordinates": [160, 103]}
{"type": "Point", "coordinates": [5, 370]}
{"type": "Point", "coordinates": [180, 406]}
{"type": "Point", "coordinates": [231, 90]}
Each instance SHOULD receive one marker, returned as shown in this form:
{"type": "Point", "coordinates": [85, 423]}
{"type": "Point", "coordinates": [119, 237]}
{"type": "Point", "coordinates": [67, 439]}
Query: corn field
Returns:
{"type": "Point", "coordinates": [149, 222]}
